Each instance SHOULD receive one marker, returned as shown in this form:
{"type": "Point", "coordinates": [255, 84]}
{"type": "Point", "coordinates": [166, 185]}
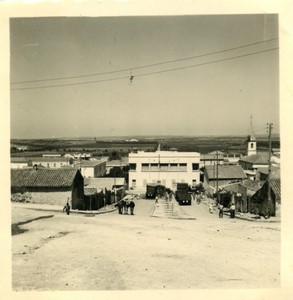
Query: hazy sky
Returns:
{"type": "Point", "coordinates": [206, 97]}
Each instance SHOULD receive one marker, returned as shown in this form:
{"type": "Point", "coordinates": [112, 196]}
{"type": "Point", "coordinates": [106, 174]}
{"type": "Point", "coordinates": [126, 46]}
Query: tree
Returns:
{"type": "Point", "coordinates": [114, 155]}
{"type": "Point", "coordinates": [116, 172]}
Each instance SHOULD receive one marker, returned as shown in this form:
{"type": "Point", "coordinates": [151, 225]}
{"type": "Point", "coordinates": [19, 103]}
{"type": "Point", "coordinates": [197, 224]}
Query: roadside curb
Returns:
{"type": "Point", "coordinates": [247, 218]}
{"type": "Point", "coordinates": [82, 212]}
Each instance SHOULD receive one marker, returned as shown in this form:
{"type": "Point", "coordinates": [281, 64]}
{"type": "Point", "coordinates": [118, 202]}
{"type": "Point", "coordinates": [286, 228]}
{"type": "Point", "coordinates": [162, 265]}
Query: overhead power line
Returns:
{"type": "Point", "coordinates": [144, 66]}
{"type": "Point", "coordinates": [145, 74]}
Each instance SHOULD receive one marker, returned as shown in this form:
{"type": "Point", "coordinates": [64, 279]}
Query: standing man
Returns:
{"type": "Point", "coordinates": [221, 210]}
{"type": "Point", "coordinates": [131, 205]}
{"type": "Point", "coordinates": [232, 210]}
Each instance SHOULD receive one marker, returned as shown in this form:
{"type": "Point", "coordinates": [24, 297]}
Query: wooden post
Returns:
{"type": "Point", "coordinates": [269, 171]}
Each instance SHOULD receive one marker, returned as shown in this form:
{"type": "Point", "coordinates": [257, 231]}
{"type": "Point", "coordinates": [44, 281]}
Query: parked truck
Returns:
{"type": "Point", "coordinates": [183, 194]}
{"type": "Point", "coordinates": [153, 190]}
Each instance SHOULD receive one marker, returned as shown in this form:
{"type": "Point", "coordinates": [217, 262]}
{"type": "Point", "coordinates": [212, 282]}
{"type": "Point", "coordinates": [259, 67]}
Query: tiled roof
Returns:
{"type": "Point", "coordinates": [42, 177]}
{"type": "Point", "coordinates": [276, 187]}
{"type": "Point", "coordinates": [233, 187]}
{"type": "Point", "coordinates": [258, 159]}
{"type": "Point", "coordinates": [275, 171]}
{"type": "Point", "coordinates": [225, 172]}
{"type": "Point", "coordinates": [251, 185]}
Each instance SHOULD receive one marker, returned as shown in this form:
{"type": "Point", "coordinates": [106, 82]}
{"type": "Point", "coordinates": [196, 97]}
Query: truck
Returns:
{"type": "Point", "coordinates": [153, 190]}
{"type": "Point", "coordinates": [183, 194]}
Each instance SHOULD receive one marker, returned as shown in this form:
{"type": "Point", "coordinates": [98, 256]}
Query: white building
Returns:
{"type": "Point", "coordinates": [49, 162]}
{"type": "Point", "coordinates": [19, 162]}
{"type": "Point", "coordinates": [165, 167]}
{"type": "Point", "coordinates": [91, 168]}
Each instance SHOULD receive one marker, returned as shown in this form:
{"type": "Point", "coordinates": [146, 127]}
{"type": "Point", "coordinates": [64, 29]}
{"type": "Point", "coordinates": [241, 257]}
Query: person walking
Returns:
{"type": "Point", "coordinates": [211, 208]}
{"type": "Point", "coordinates": [232, 210]}
{"type": "Point", "coordinates": [221, 210]}
{"type": "Point", "coordinates": [119, 206]}
{"type": "Point", "coordinates": [131, 205]}
{"type": "Point", "coordinates": [67, 208]}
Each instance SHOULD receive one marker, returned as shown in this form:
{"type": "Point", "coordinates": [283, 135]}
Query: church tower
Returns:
{"type": "Point", "coordinates": [251, 141]}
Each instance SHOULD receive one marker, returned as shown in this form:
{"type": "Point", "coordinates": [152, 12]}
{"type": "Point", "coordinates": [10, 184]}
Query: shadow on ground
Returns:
{"type": "Point", "coordinates": [15, 227]}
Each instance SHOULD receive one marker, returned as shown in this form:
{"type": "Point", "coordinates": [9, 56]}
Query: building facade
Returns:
{"type": "Point", "coordinates": [19, 163]}
{"type": "Point", "coordinates": [165, 167]}
{"type": "Point", "coordinates": [49, 186]}
{"type": "Point", "coordinates": [49, 162]}
{"type": "Point", "coordinates": [91, 168]}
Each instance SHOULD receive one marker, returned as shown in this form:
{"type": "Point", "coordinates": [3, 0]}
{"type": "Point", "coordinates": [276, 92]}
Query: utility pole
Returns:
{"type": "Point", "coordinates": [270, 126]}
{"type": "Point", "coordinates": [217, 169]}
{"type": "Point", "coordinates": [214, 170]}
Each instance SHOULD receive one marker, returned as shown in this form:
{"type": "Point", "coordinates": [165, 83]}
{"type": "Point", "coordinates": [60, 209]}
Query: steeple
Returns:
{"type": "Point", "coordinates": [251, 141]}
{"type": "Point", "coordinates": [251, 135]}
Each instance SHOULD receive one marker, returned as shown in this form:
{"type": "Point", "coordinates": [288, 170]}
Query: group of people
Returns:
{"type": "Point", "coordinates": [231, 209]}
{"type": "Point", "coordinates": [124, 205]}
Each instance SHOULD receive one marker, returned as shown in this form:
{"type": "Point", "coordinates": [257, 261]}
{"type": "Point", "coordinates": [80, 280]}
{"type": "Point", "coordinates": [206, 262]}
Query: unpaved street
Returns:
{"type": "Point", "coordinates": [121, 252]}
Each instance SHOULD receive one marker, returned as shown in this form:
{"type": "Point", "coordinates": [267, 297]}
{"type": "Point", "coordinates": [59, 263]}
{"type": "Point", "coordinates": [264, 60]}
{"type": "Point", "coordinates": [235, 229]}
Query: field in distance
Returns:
{"type": "Point", "coordinates": [124, 145]}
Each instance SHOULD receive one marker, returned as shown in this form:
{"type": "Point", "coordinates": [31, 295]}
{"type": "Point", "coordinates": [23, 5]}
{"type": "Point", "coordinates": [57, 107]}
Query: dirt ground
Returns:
{"type": "Point", "coordinates": [53, 251]}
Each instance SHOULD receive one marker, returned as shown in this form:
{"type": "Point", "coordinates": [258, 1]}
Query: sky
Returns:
{"type": "Point", "coordinates": [192, 75]}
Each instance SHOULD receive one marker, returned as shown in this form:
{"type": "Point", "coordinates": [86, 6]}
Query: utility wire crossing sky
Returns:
{"type": "Point", "coordinates": [202, 75]}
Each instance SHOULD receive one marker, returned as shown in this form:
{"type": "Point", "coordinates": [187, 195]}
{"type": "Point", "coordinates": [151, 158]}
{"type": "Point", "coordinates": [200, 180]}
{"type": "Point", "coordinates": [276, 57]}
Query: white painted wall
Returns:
{"type": "Point", "coordinates": [167, 175]}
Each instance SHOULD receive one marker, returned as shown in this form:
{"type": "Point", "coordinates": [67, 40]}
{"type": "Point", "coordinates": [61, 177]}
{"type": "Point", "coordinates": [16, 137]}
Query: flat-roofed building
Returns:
{"type": "Point", "coordinates": [91, 168]}
{"type": "Point", "coordinates": [49, 162]}
{"type": "Point", "coordinates": [19, 162]}
{"type": "Point", "coordinates": [165, 167]}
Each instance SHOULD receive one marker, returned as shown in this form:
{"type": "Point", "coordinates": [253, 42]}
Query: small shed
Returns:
{"type": "Point", "coordinates": [259, 203]}
{"type": "Point", "coordinates": [49, 186]}
{"type": "Point", "coordinates": [242, 192]}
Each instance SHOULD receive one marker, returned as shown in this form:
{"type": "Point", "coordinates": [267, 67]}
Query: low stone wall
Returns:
{"type": "Point", "coordinates": [52, 198]}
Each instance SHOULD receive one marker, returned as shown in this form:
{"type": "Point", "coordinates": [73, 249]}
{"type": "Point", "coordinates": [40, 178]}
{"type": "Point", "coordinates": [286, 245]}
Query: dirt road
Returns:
{"type": "Point", "coordinates": [122, 252]}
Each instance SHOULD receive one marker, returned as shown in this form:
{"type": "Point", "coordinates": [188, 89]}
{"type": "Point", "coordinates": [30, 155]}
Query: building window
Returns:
{"type": "Point", "coordinates": [154, 167]}
{"type": "Point", "coordinates": [133, 183]}
{"type": "Point", "coordinates": [193, 182]}
{"type": "Point", "coordinates": [48, 165]}
{"type": "Point", "coordinates": [174, 167]}
{"type": "Point", "coordinates": [132, 167]}
{"type": "Point", "coordinates": [54, 165]}
{"type": "Point", "coordinates": [195, 167]}
{"type": "Point", "coordinates": [145, 167]}
{"type": "Point", "coordinates": [182, 167]}
{"type": "Point", "coordinates": [251, 145]}
{"type": "Point", "coordinates": [164, 167]}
